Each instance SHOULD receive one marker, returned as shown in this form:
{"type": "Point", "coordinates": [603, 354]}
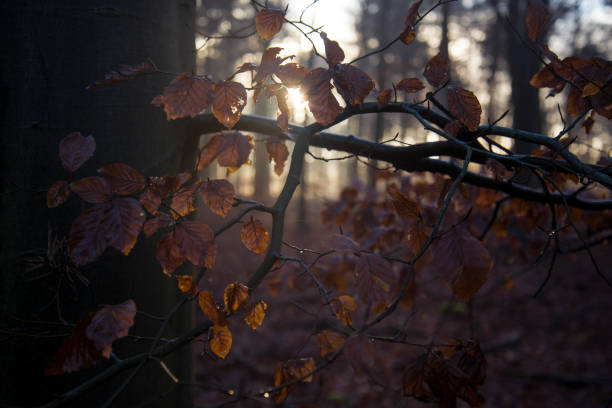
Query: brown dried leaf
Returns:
{"type": "Point", "coordinates": [123, 179]}
{"type": "Point", "coordinates": [343, 307]}
{"type": "Point", "coordinates": [58, 193]}
{"type": "Point", "coordinates": [353, 84]}
{"type": "Point", "coordinates": [329, 342]}
{"type": "Point", "coordinates": [463, 261]}
{"type": "Point", "coordinates": [116, 223]}
{"type": "Point", "coordinates": [229, 100]}
{"type": "Point", "coordinates": [168, 253]}
{"type": "Point", "coordinates": [221, 341]}
{"type": "Point", "coordinates": [187, 95]}
{"type": "Point", "coordinates": [322, 103]}
{"type": "Point", "coordinates": [122, 74]}
{"type": "Point", "coordinates": [74, 150]}
{"type": "Point", "coordinates": [268, 22]}
{"type": "Point", "coordinates": [254, 236]}
{"type": "Point", "coordinates": [209, 308]}
{"type": "Point", "coordinates": [536, 19]}
{"type": "Point", "coordinates": [234, 149]}
{"type": "Point", "coordinates": [218, 195]}
{"type": "Point", "coordinates": [92, 189]}
{"type": "Point", "coordinates": [277, 151]}
{"type": "Point", "coordinates": [196, 242]}
{"type": "Point", "coordinates": [235, 295]}
{"type": "Point", "coordinates": [464, 105]}
{"type": "Point", "coordinates": [186, 285]}
{"type": "Point", "coordinates": [410, 85]}
{"type": "Point", "coordinates": [333, 52]}
{"type": "Point", "coordinates": [270, 62]}
{"type": "Point", "coordinates": [163, 220]}
{"type": "Point", "coordinates": [183, 200]}
{"type": "Point", "coordinates": [404, 206]}
{"type": "Point", "coordinates": [292, 74]}
{"type": "Point", "coordinates": [255, 316]}
{"type": "Point", "coordinates": [110, 323]}
{"type": "Point", "coordinates": [150, 201]}
{"type": "Point", "coordinates": [436, 71]}
{"type": "Point", "coordinates": [384, 97]}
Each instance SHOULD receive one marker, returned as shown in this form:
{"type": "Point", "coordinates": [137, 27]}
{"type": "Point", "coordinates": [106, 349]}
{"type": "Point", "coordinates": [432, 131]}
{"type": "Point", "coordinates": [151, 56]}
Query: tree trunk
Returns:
{"type": "Point", "coordinates": [522, 65]}
{"type": "Point", "coordinates": [51, 51]}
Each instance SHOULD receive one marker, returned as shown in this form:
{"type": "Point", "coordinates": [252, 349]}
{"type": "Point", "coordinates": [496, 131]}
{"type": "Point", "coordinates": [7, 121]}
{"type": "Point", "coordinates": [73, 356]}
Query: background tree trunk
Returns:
{"type": "Point", "coordinates": [51, 51]}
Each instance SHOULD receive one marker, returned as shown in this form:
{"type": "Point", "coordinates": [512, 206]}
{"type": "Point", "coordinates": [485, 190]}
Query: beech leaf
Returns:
{"type": "Point", "coordinates": [221, 341]}
{"type": "Point", "coordinates": [235, 295]}
{"type": "Point", "coordinates": [436, 71]}
{"type": "Point", "coordinates": [74, 150]}
{"type": "Point", "coordinates": [187, 95]}
{"type": "Point", "coordinates": [92, 189]}
{"type": "Point", "coordinates": [352, 83]}
{"type": "Point", "coordinates": [268, 22]}
{"type": "Point", "coordinates": [464, 105]}
{"type": "Point", "coordinates": [58, 193]}
{"type": "Point", "coordinates": [322, 103]}
{"type": "Point", "coordinates": [254, 236]}
{"type": "Point", "coordinates": [209, 308]}
{"type": "Point", "coordinates": [292, 74]}
{"type": "Point", "coordinates": [255, 316]}
{"type": "Point", "coordinates": [329, 342]}
{"type": "Point", "coordinates": [333, 52]}
{"type": "Point", "coordinates": [277, 151]}
{"type": "Point", "coordinates": [410, 85]}
{"type": "Point", "coordinates": [123, 179]}
{"type": "Point", "coordinates": [218, 195]}
{"type": "Point", "coordinates": [229, 100]}
{"type": "Point", "coordinates": [536, 19]}
{"type": "Point", "coordinates": [122, 74]}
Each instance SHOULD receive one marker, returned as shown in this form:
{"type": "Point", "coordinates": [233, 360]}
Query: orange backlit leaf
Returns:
{"type": "Point", "coordinates": [268, 22]}
{"type": "Point", "coordinates": [436, 71]}
{"type": "Point", "coordinates": [151, 226]}
{"type": "Point", "coordinates": [168, 253]}
{"type": "Point", "coordinates": [254, 236]}
{"type": "Point", "coordinates": [124, 73]}
{"type": "Point", "coordinates": [343, 307]}
{"type": "Point", "coordinates": [463, 261]}
{"type": "Point", "coordinates": [408, 34]}
{"type": "Point", "coordinates": [352, 83]}
{"type": "Point", "coordinates": [464, 105]}
{"type": "Point", "coordinates": [116, 223]}
{"type": "Point", "coordinates": [234, 149]}
{"type": "Point", "coordinates": [235, 296]}
{"type": "Point", "coordinates": [410, 85]}
{"type": "Point", "coordinates": [209, 152]}
{"type": "Point", "coordinates": [329, 342]}
{"type": "Point", "coordinates": [277, 151]}
{"type": "Point", "coordinates": [229, 100]}
{"type": "Point", "coordinates": [58, 193]}
{"type": "Point", "coordinates": [536, 19]}
{"type": "Point", "coordinates": [221, 341]}
{"type": "Point", "coordinates": [187, 95]}
{"type": "Point", "coordinates": [92, 338]}
{"type": "Point", "coordinates": [413, 13]}
{"type": "Point", "coordinates": [292, 74]}
{"type": "Point", "coordinates": [123, 179]}
{"type": "Point", "coordinates": [209, 308]}
{"type": "Point", "coordinates": [255, 316]}
{"type": "Point", "coordinates": [74, 150]}
{"type": "Point", "coordinates": [333, 52]}
{"type": "Point", "coordinates": [92, 189]}
{"type": "Point", "coordinates": [322, 103]}
{"type": "Point", "coordinates": [218, 195]}
{"type": "Point", "coordinates": [384, 97]}
{"type": "Point", "coordinates": [185, 284]}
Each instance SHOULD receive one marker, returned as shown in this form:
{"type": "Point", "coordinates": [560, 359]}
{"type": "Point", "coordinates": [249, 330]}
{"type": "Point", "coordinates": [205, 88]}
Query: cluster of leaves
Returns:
{"type": "Point", "coordinates": [415, 227]}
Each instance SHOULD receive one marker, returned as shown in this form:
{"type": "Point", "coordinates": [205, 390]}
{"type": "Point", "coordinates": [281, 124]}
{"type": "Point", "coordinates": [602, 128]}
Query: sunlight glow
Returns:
{"type": "Point", "coordinates": [296, 99]}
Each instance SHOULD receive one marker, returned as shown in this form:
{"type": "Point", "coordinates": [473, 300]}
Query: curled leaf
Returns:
{"type": "Point", "coordinates": [256, 315]}
{"type": "Point", "coordinates": [221, 341]}
{"type": "Point", "coordinates": [464, 105]}
{"type": "Point", "coordinates": [58, 193]}
{"type": "Point", "coordinates": [235, 295]}
{"type": "Point", "coordinates": [436, 71]}
{"type": "Point", "coordinates": [329, 342]}
{"type": "Point", "coordinates": [209, 308]}
{"type": "Point", "coordinates": [333, 52]}
{"type": "Point", "coordinates": [122, 74]}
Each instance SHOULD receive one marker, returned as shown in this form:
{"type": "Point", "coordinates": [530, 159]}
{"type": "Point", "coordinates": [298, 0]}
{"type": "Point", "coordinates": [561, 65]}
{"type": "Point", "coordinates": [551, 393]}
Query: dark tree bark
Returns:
{"type": "Point", "coordinates": [51, 51]}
